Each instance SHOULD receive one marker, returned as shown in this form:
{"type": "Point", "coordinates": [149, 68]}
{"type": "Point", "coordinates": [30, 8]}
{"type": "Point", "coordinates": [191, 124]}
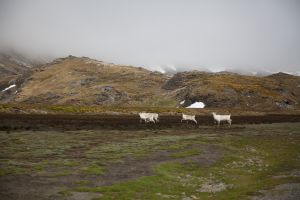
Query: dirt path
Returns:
{"type": "Point", "coordinates": [121, 122]}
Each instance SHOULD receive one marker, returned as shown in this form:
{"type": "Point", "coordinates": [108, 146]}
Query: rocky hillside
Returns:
{"type": "Point", "coordinates": [233, 90]}
{"type": "Point", "coordinates": [14, 69]}
{"type": "Point", "coordinates": [84, 81]}
{"type": "Point", "coordinates": [10, 66]}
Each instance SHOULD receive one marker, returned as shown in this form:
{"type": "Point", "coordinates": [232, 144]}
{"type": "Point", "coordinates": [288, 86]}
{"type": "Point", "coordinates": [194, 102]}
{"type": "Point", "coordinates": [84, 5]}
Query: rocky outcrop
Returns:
{"type": "Point", "coordinates": [109, 95]}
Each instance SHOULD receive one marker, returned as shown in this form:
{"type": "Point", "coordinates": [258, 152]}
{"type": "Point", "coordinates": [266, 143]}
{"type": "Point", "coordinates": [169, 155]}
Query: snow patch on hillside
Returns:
{"type": "Point", "coordinates": [9, 87]}
{"type": "Point", "coordinates": [197, 105]}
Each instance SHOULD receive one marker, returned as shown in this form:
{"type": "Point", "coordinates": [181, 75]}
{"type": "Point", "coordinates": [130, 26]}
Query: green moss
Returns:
{"type": "Point", "coordinates": [132, 147]}
{"type": "Point", "coordinates": [274, 150]}
{"type": "Point", "coordinates": [62, 173]}
{"type": "Point", "coordinates": [93, 170]}
{"type": "Point", "coordinates": [82, 182]}
{"type": "Point", "coordinates": [10, 170]}
{"type": "Point", "coordinates": [61, 163]}
{"type": "Point", "coordinates": [186, 153]}
{"type": "Point", "coordinates": [175, 146]}
{"type": "Point", "coordinates": [65, 193]}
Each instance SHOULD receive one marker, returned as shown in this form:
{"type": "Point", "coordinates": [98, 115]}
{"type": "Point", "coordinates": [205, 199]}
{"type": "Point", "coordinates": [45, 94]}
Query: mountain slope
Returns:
{"type": "Point", "coordinates": [14, 69]}
{"type": "Point", "coordinates": [84, 81]}
{"type": "Point", "coordinates": [234, 90]}
{"type": "Point", "coordinates": [90, 82]}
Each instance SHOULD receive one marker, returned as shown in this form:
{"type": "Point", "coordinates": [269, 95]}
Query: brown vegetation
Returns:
{"type": "Point", "coordinates": [84, 81]}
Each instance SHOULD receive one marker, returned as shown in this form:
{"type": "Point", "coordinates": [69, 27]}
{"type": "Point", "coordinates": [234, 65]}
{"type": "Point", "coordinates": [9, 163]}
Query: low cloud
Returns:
{"type": "Point", "coordinates": [212, 35]}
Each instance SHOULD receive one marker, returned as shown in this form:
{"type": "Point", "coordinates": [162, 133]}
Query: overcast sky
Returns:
{"type": "Point", "coordinates": [211, 34]}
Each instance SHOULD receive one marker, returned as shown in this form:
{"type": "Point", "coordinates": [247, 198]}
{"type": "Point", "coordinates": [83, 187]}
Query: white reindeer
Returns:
{"type": "Point", "coordinates": [188, 118]}
{"type": "Point", "coordinates": [219, 118]}
{"type": "Point", "coordinates": [155, 117]}
{"type": "Point", "coordinates": [148, 117]}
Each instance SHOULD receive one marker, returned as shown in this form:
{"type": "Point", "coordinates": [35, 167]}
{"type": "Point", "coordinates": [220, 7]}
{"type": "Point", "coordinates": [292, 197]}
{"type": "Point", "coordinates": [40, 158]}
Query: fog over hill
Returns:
{"type": "Point", "coordinates": [172, 35]}
{"type": "Point", "coordinates": [151, 53]}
